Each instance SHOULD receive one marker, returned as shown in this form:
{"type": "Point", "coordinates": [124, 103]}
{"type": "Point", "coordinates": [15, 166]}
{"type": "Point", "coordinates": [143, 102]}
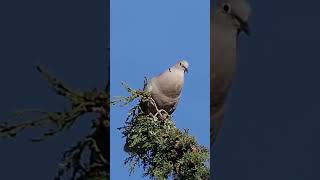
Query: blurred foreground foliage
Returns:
{"type": "Point", "coordinates": [154, 143]}
{"type": "Point", "coordinates": [74, 164]}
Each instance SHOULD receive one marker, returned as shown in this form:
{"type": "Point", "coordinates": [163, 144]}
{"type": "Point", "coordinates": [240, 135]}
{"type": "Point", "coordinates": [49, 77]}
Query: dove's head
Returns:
{"type": "Point", "coordinates": [182, 65]}
{"type": "Point", "coordinates": [235, 13]}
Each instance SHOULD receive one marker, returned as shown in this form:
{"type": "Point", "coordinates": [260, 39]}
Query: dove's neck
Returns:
{"type": "Point", "coordinates": [224, 49]}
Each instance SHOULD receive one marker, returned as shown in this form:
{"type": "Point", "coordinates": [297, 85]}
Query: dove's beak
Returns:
{"type": "Point", "coordinates": [186, 70]}
{"type": "Point", "coordinates": [245, 28]}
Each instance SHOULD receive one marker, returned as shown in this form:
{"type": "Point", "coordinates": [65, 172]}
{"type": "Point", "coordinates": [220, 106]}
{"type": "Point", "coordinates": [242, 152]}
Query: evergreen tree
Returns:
{"type": "Point", "coordinates": [158, 146]}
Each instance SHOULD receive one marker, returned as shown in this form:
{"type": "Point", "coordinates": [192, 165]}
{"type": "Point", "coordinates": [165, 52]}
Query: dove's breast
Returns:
{"type": "Point", "coordinates": [166, 89]}
{"type": "Point", "coordinates": [223, 62]}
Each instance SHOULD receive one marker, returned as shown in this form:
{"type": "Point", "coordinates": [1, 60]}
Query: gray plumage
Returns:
{"type": "Point", "coordinates": [166, 88]}
{"type": "Point", "coordinates": [227, 21]}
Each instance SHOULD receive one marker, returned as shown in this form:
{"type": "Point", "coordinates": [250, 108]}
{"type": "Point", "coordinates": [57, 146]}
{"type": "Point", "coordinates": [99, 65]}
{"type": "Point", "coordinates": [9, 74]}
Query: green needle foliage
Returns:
{"type": "Point", "coordinates": [158, 146]}
{"type": "Point", "coordinates": [96, 144]}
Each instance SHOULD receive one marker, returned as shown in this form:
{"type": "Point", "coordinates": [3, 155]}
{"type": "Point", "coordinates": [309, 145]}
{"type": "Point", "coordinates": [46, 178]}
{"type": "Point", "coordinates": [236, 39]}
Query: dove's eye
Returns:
{"type": "Point", "coordinates": [226, 8]}
{"type": "Point", "coordinates": [180, 64]}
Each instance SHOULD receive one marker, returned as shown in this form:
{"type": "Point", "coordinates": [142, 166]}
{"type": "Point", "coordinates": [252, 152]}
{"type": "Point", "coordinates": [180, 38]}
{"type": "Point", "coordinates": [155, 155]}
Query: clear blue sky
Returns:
{"type": "Point", "coordinates": [147, 37]}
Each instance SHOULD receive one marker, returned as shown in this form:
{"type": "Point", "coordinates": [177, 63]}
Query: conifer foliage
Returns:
{"type": "Point", "coordinates": [154, 143]}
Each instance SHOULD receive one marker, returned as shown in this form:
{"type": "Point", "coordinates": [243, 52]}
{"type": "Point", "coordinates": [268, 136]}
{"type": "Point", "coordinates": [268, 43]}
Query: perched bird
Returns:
{"type": "Point", "coordinates": [166, 88]}
{"type": "Point", "coordinates": [227, 21]}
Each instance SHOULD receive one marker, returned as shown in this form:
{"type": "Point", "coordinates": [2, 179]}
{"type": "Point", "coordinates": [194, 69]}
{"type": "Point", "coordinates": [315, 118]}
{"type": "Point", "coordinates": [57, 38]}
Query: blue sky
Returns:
{"type": "Point", "coordinates": [147, 37]}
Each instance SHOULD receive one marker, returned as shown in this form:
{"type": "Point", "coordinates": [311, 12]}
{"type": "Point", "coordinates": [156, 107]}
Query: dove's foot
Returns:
{"type": "Point", "coordinates": [163, 115]}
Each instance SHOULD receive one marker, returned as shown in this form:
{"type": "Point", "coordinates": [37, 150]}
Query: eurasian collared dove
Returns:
{"type": "Point", "coordinates": [229, 19]}
{"type": "Point", "coordinates": [165, 90]}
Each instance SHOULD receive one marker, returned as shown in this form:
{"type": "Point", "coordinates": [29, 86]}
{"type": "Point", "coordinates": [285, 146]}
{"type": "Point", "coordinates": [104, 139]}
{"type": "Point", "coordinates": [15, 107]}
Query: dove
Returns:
{"type": "Point", "coordinates": [166, 88]}
{"type": "Point", "coordinates": [228, 20]}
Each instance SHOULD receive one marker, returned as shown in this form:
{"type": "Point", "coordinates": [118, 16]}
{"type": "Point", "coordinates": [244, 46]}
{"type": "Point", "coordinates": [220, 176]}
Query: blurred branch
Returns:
{"type": "Point", "coordinates": [81, 103]}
